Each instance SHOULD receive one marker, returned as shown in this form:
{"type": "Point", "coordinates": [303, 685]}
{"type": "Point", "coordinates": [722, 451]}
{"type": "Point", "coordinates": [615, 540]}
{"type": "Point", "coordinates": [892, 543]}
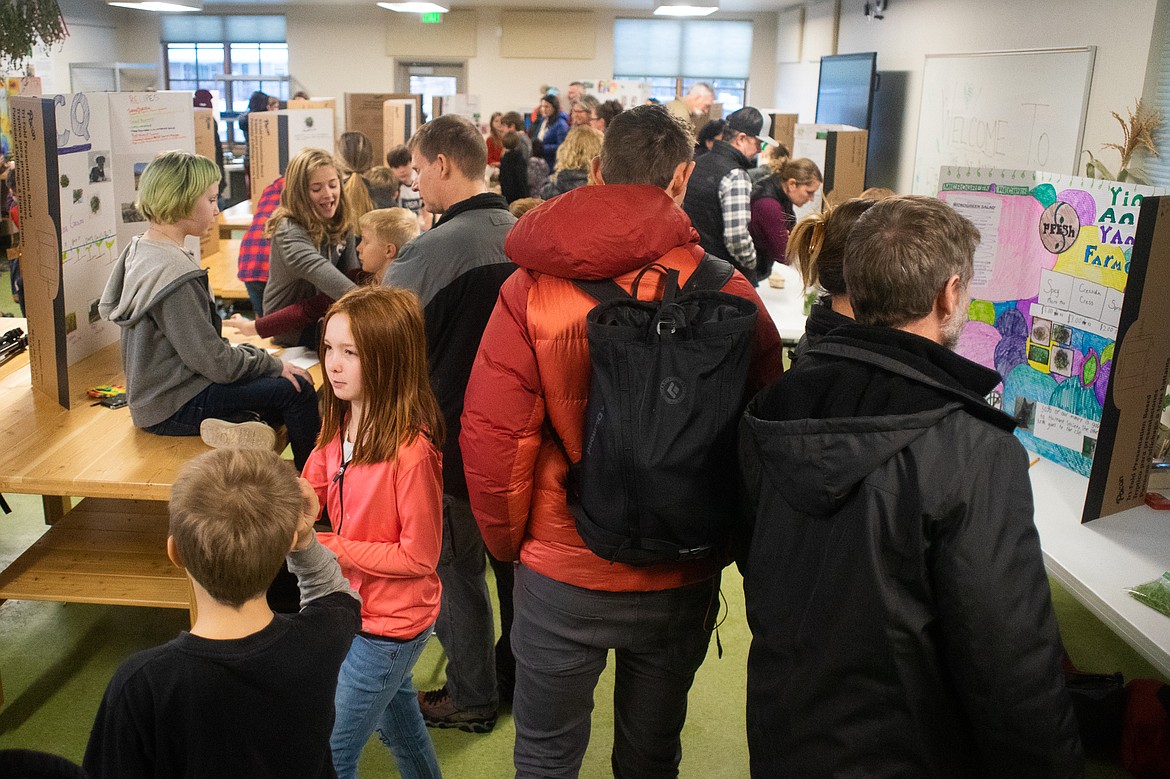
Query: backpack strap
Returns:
{"type": "Point", "coordinates": [602, 290]}
{"type": "Point", "coordinates": [711, 275]}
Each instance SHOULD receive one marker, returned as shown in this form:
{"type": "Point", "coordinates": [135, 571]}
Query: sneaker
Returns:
{"type": "Point", "coordinates": [439, 711]}
{"type": "Point", "coordinates": [220, 434]}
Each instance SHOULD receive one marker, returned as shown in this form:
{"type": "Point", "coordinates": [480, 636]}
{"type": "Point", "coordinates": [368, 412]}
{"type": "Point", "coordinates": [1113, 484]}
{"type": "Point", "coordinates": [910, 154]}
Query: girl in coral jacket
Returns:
{"type": "Point", "coordinates": [378, 471]}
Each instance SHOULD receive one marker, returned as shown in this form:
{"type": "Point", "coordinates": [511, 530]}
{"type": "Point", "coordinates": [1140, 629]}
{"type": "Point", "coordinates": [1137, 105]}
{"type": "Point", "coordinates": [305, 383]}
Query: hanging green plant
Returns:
{"type": "Point", "coordinates": [25, 24]}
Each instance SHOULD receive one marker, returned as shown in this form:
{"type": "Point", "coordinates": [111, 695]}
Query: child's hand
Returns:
{"type": "Point", "coordinates": [312, 509]}
{"type": "Point", "coordinates": [238, 322]}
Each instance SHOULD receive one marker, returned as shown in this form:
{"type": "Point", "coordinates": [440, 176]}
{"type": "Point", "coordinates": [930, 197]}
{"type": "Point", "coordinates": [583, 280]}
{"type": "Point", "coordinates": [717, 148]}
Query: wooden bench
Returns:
{"type": "Point", "coordinates": [111, 548]}
{"type": "Point", "coordinates": [104, 550]}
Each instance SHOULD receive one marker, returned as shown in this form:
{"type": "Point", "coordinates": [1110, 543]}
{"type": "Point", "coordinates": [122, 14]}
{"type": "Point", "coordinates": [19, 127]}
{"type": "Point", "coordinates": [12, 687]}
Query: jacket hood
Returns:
{"type": "Point", "coordinates": [145, 273]}
{"type": "Point", "coordinates": [824, 460]}
{"type": "Point", "coordinates": [599, 232]}
{"type": "Point", "coordinates": [853, 401]}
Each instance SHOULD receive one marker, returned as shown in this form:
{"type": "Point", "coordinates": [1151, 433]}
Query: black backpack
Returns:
{"type": "Point", "coordinates": [657, 479]}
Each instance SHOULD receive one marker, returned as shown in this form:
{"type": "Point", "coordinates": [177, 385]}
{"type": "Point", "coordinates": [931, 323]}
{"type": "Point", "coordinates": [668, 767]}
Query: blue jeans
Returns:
{"type": "Point", "coordinates": [256, 296]}
{"type": "Point", "coordinates": [375, 691]}
{"type": "Point", "coordinates": [274, 399]}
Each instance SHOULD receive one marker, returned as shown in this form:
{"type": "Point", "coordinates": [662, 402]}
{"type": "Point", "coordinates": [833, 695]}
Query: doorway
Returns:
{"type": "Point", "coordinates": [431, 80]}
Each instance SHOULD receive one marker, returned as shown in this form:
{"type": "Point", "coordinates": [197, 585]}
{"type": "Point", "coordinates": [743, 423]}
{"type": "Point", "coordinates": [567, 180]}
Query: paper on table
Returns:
{"type": "Point", "coordinates": [300, 356]}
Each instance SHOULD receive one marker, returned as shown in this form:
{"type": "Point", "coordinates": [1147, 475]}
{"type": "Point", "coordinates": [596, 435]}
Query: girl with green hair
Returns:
{"type": "Point", "coordinates": [182, 377]}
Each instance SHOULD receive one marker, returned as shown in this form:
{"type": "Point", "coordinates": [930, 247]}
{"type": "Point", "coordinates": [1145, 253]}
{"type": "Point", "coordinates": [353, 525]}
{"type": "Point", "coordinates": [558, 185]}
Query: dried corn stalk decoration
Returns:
{"type": "Point", "coordinates": [1136, 133]}
{"type": "Point", "coordinates": [25, 24]}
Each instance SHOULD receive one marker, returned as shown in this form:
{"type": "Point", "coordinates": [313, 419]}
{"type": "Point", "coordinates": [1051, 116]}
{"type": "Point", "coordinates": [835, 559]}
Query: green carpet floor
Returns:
{"type": "Point", "coordinates": [57, 658]}
{"type": "Point", "coordinates": [8, 307]}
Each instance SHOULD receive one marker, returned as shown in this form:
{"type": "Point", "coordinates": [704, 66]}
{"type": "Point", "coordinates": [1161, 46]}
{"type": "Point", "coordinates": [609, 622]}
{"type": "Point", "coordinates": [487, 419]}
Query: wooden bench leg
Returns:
{"type": "Point", "coordinates": [56, 506]}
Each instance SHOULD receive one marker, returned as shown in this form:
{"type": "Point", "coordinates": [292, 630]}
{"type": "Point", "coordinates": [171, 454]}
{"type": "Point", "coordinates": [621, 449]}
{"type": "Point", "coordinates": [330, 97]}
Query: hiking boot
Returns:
{"type": "Point", "coordinates": [220, 434]}
{"type": "Point", "coordinates": [439, 711]}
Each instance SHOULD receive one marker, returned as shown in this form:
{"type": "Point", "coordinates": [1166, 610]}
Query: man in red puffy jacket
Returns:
{"type": "Point", "coordinates": [531, 381]}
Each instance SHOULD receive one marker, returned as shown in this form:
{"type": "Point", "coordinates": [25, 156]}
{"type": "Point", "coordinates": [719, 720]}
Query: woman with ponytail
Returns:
{"type": "Point", "coordinates": [774, 199]}
{"type": "Point", "coordinates": [356, 155]}
{"type": "Point", "coordinates": [817, 247]}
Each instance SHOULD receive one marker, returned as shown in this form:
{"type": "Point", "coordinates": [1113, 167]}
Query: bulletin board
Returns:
{"type": "Point", "coordinates": [1002, 109]}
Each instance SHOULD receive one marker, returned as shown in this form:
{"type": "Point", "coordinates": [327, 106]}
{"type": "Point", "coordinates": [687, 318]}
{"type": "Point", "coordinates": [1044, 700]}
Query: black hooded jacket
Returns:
{"type": "Point", "coordinates": [901, 617]}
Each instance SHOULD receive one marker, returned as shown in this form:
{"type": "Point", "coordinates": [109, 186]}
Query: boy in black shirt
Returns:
{"type": "Point", "coordinates": [245, 692]}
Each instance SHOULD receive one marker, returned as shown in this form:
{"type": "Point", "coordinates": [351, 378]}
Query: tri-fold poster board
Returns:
{"type": "Point", "coordinates": [80, 160]}
{"type": "Point", "coordinates": [1069, 307]}
{"type": "Point", "coordinates": [275, 137]}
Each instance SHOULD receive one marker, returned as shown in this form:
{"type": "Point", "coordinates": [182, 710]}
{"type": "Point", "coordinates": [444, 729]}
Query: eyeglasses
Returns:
{"type": "Point", "coordinates": [580, 111]}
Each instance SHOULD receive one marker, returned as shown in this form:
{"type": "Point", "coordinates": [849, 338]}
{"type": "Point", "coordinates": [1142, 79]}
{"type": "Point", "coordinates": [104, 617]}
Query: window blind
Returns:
{"type": "Point", "coordinates": [677, 47]}
{"type": "Point", "coordinates": [1157, 169]}
{"type": "Point", "coordinates": [184, 28]}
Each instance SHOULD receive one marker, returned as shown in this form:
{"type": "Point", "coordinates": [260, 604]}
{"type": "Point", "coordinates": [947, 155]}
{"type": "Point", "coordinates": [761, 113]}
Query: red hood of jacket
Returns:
{"type": "Point", "coordinates": [599, 232]}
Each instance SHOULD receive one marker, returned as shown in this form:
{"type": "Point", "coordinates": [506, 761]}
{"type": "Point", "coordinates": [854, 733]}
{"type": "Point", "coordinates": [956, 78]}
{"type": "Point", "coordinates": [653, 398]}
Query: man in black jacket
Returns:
{"type": "Point", "coordinates": [901, 618]}
{"type": "Point", "coordinates": [719, 195]}
{"type": "Point", "coordinates": [456, 269]}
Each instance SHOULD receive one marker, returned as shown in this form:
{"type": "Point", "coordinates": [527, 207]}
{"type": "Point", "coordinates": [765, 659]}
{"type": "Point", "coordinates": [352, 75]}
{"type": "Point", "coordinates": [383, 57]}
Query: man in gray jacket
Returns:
{"type": "Point", "coordinates": [456, 268]}
{"type": "Point", "coordinates": [900, 613]}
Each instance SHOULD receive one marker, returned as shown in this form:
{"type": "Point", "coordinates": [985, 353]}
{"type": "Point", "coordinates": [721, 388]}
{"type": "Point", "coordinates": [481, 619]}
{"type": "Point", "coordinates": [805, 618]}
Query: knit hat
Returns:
{"type": "Point", "coordinates": [749, 121]}
{"type": "Point", "coordinates": [202, 98]}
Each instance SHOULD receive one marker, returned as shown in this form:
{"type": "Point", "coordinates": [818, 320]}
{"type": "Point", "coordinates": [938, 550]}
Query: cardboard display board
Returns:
{"type": "Point", "coordinates": [840, 152]}
{"type": "Point", "coordinates": [80, 159]}
{"type": "Point", "coordinates": [1052, 282]}
{"type": "Point", "coordinates": [1137, 383]}
{"type": "Point", "coordinates": [144, 124]}
{"type": "Point", "coordinates": [364, 113]}
{"type": "Point", "coordinates": [302, 103]}
{"type": "Point", "coordinates": [627, 92]}
{"type": "Point", "coordinates": [14, 86]}
{"type": "Point", "coordinates": [782, 127]}
{"type": "Point", "coordinates": [275, 137]}
{"type": "Point", "coordinates": [466, 106]}
{"type": "Point", "coordinates": [399, 121]}
{"type": "Point", "coordinates": [205, 131]}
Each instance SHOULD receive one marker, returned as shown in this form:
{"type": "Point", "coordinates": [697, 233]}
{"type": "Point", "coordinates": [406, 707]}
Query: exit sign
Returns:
{"type": "Point", "coordinates": [432, 18]}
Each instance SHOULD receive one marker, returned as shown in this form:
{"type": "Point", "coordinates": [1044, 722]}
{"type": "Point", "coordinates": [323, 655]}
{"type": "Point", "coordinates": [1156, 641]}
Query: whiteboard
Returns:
{"type": "Point", "coordinates": [1003, 109]}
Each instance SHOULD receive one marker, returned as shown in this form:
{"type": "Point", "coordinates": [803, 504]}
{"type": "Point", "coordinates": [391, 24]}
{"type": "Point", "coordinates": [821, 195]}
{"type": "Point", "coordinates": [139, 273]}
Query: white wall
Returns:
{"type": "Point", "coordinates": [335, 49]}
{"type": "Point", "coordinates": [93, 37]}
{"type": "Point", "coordinates": [913, 28]}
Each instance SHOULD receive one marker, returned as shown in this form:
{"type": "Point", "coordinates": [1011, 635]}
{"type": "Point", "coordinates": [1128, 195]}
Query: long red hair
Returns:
{"type": "Point", "coordinates": [399, 404]}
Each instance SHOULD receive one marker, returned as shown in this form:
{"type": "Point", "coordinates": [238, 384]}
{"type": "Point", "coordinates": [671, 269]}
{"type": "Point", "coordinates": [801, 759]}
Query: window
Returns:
{"type": "Point", "coordinates": [219, 54]}
{"type": "Point", "coordinates": [672, 54]}
{"type": "Point", "coordinates": [1157, 97]}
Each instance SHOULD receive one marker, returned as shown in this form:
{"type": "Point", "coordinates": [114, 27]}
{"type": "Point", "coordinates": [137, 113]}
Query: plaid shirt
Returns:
{"type": "Point", "coordinates": [253, 262]}
{"type": "Point", "coordinates": [735, 199]}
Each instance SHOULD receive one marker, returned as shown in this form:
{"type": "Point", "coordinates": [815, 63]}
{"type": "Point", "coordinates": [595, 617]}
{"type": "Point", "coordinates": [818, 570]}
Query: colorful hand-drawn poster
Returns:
{"type": "Point", "coordinates": [14, 86]}
{"type": "Point", "coordinates": [1046, 297]}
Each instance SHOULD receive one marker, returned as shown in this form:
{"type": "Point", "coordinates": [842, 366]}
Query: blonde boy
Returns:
{"type": "Point", "coordinates": [245, 692]}
{"type": "Point", "coordinates": [384, 232]}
